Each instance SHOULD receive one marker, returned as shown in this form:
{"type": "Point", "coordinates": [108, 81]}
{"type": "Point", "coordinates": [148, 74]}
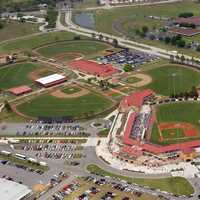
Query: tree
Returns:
{"type": "Point", "coordinates": [7, 106]}
{"type": "Point", "coordinates": [115, 43]}
{"type": "Point", "coordinates": [93, 35]}
{"type": "Point", "coordinates": [145, 29]}
{"type": "Point", "coordinates": [167, 40]}
{"type": "Point", "coordinates": [100, 37]}
{"type": "Point", "coordinates": [180, 43]}
{"type": "Point", "coordinates": [128, 68]}
{"type": "Point", "coordinates": [182, 58]}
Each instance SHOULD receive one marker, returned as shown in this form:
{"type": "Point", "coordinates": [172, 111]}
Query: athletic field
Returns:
{"type": "Point", "coordinates": [178, 122]}
{"type": "Point", "coordinates": [84, 47]}
{"type": "Point", "coordinates": [51, 106]}
{"type": "Point", "coordinates": [172, 78]}
{"type": "Point", "coordinates": [16, 75]}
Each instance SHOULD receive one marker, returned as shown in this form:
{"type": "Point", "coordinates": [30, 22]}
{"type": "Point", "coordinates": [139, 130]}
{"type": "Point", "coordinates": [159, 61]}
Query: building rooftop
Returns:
{"type": "Point", "coordinates": [50, 79]}
{"type": "Point", "coordinates": [20, 90]}
{"type": "Point", "coordinates": [10, 190]}
{"type": "Point", "coordinates": [91, 67]}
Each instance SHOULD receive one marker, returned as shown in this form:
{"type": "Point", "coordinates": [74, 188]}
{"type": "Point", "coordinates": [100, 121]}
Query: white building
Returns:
{"type": "Point", "coordinates": [10, 190]}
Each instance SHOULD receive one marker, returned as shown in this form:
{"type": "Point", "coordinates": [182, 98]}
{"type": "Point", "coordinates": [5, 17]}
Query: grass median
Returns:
{"type": "Point", "coordinates": [176, 185]}
{"type": "Point", "coordinates": [24, 163]}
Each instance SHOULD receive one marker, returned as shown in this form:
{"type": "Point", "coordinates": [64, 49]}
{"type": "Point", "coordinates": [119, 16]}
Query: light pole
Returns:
{"type": "Point", "coordinates": [173, 82]}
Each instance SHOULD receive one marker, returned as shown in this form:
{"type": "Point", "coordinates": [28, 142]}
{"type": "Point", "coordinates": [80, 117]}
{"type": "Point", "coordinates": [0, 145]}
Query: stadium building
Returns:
{"type": "Point", "coordinates": [129, 137]}
{"type": "Point", "coordinates": [51, 80]}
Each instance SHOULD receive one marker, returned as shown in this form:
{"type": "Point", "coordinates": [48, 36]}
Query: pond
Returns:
{"type": "Point", "coordinates": [85, 20]}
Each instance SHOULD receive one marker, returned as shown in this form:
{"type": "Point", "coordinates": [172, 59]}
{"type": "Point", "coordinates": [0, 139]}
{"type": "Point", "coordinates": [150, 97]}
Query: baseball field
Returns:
{"type": "Point", "coordinates": [16, 75]}
{"type": "Point", "coordinates": [171, 78]}
{"type": "Point", "coordinates": [178, 122]}
{"type": "Point", "coordinates": [48, 105]}
{"type": "Point", "coordinates": [84, 47]}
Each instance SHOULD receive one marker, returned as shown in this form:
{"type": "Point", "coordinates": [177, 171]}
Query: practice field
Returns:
{"type": "Point", "coordinates": [16, 75]}
{"type": "Point", "coordinates": [172, 78]}
{"type": "Point", "coordinates": [50, 106]}
{"type": "Point", "coordinates": [29, 43]}
{"type": "Point", "coordinates": [178, 122]}
{"type": "Point", "coordinates": [85, 47]}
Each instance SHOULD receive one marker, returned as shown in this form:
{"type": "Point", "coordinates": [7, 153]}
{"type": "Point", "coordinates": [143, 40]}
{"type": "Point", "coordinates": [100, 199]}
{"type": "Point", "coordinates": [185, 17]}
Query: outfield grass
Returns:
{"type": "Point", "coordinates": [16, 75]}
{"type": "Point", "coordinates": [47, 105]}
{"type": "Point", "coordinates": [175, 185]}
{"type": "Point", "coordinates": [171, 77]}
{"type": "Point", "coordinates": [179, 112]}
{"type": "Point", "coordinates": [32, 42]}
{"type": "Point", "coordinates": [15, 29]}
{"type": "Point", "coordinates": [86, 47]}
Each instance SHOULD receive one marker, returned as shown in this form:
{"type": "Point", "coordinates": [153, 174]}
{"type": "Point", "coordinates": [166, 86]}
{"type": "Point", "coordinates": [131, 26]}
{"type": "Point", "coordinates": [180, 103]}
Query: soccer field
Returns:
{"type": "Point", "coordinates": [16, 75]}
{"type": "Point", "coordinates": [50, 106]}
{"type": "Point", "coordinates": [170, 78]}
{"type": "Point", "coordinates": [85, 47]}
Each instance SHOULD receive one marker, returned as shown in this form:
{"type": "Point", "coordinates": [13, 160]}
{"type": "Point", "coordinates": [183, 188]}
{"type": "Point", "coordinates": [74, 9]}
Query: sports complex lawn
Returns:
{"type": "Point", "coordinates": [86, 47]}
{"type": "Point", "coordinates": [171, 77]}
{"type": "Point", "coordinates": [175, 185]}
{"type": "Point", "coordinates": [16, 75]}
{"type": "Point", "coordinates": [32, 42]}
{"type": "Point", "coordinates": [47, 105]}
{"type": "Point", "coordinates": [15, 29]}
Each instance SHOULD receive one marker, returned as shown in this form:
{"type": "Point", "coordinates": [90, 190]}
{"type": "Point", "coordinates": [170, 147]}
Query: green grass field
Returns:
{"type": "Point", "coordinates": [179, 112]}
{"type": "Point", "coordinates": [15, 29]}
{"type": "Point", "coordinates": [169, 138]}
{"type": "Point", "coordinates": [175, 185]}
{"type": "Point", "coordinates": [86, 47]}
{"type": "Point", "coordinates": [16, 75]}
{"type": "Point", "coordinates": [171, 77]}
{"type": "Point", "coordinates": [71, 90]}
{"type": "Point", "coordinates": [32, 42]}
{"type": "Point", "coordinates": [47, 105]}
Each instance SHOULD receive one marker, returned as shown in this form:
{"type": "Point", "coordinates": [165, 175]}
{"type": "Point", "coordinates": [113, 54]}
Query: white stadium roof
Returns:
{"type": "Point", "coordinates": [10, 190]}
{"type": "Point", "coordinates": [50, 79]}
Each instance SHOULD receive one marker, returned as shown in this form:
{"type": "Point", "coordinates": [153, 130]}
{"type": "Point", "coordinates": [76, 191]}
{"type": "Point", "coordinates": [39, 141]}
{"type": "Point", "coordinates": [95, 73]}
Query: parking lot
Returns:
{"type": "Point", "coordinates": [40, 129]}
{"type": "Point", "coordinates": [99, 188]}
{"type": "Point", "coordinates": [134, 58]}
{"type": "Point", "coordinates": [63, 151]}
